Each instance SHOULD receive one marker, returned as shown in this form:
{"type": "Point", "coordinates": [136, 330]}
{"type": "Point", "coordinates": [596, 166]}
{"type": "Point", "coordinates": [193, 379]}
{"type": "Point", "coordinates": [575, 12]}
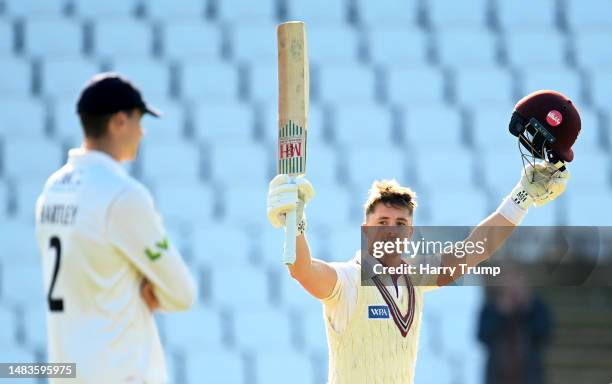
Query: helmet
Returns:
{"type": "Point", "coordinates": [547, 125]}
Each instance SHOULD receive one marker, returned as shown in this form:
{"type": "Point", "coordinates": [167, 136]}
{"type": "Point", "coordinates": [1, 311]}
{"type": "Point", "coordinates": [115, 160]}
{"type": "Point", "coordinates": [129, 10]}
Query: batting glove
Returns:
{"type": "Point", "coordinates": [539, 185]}
{"type": "Point", "coordinates": [285, 194]}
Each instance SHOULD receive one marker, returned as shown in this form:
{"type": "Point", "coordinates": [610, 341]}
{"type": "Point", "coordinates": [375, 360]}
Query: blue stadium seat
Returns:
{"type": "Point", "coordinates": [35, 324]}
{"type": "Point", "coordinates": [588, 48]}
{"type": "Point", "coordinates": [209, 80]}
{"type": "Point", "coordinates": [104, 10]}
{"type": "Point", "coordinates": [171, 160]}
{"type": "Point", "coordinates": [204, 366]}
{"type": "Point", "coordinates": [385, 12]}
{"type": "Point", "coordinates": [225, 122]}
{"type": "Point", "coordinates": [535, 47]}
{"type": "Point", "coordinates": [19, 83]}
{"type": "Point", "coordinates": [371, 163]}
{"type": "Point", "coordinates": [463, 206]}
{"type": "Point", "coordinates": [415, 85]}
{"type": "Point", "coordinates": [489, 127]}
{"type": "Point", "coordinates": [31, 158]}
{"type": "Point", "coordinates": [4, 199]}
{"type": "Point", "coordinates": [215, 242]}
{"type": "Point", "coordinates": [7, 44]}
{"type": "Point", "coordinates": [261, 329]}
{"type": "Point", "coordinates": [279, 367]}
{"type": "Point", "coordinates": [472, 12]}
{"type": "Point", "coordinates": [66, 124]}
{"type": "Point", "coordinates": [254, 42]}
{"type": "Point", "coordinates": [363, 124]}
{"type": "Point", "coordinates": [179, 11]}
{"type": "Point", "coordinates": [22, 117]}
{"type": "Point", "coordinates": [587, 207]}
{"type": "Point", "coordinates": [170, 126]}
{"type": "Point", "coordinates": [16, 353]}
{"type": "Point", "coordinates": [122, 38]}
{"type": "Point", "coordinates": [347, 84]}
{"type": "Point", "coordinates": [512, 15]}
{"type": "Point", "coordinates": [502, 166]}
{"type": "Point", "coordinates": [432, 125]}
{"type": "Point", "coordinates": [332, 43]}
{"type": "Point", "coordinates": [263, 82]}
{"type": "Point", "coordinates": [238, 11]}
{"type": "Point", "coordinates": [472, 90]}
{"type": "Point", "coordinates": [466, 46]}
{"type": "Point", "coordinates": [230, 281]}
{"type": "Point", "coordinates": [560, 79]}
{"type": "Point", "coordinates": [592, 137]}
{"type": "Point", "coordinates": [330, 202]}
{"type": "Point", "coordinates": [151, 77]}
{"type": "Point", "coordinates": [601, 87]}
{"type": "Point", "coordinates": [198, 328]}
{"type": "Point", "coordinates": [19, 241]}
{"type": "Point", "coordinates": [8, 326]}
{"type": "Point", "coordinates": [433, 368]}
{"type": "Point", "coordinates": [188, 203]}
{"type": "Point", "coordinates": [293, 295]}
{"type": "Point", "coordinates": [443, 166]}
{"type": "Point", "coordinates": [23, 284]}
{"type": "Point", "coordinates": [313, 331]}
{"type": "Point", "coordinates": [344, 241]}
{"type": "Point", "coordinates": [398, 45]}
{"type": "Point", "coordinates": [191, 40]}
{"type": "Point", "coordinates": [66, 77]}
{"type": "Point", "coordinates": [317, 11]}
{"type": "Point", "coordinates": [323, 167]}
{"type": "Point", "coordinates": [240, 164]}
{"type": "Point", "coordinates": [242, 205]}
{"type": "Point", "coordinates": [582, 176]}
{"type": "Point", "coordinates": [597, 14]}
{"type": "Point", "coordinates": [28, 8]}
{"type": "Point", "coordinates": [56, 37]}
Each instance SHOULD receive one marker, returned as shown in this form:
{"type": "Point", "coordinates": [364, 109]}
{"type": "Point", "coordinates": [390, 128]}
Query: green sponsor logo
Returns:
{"type": "Point", "coordinates": [161, 246]}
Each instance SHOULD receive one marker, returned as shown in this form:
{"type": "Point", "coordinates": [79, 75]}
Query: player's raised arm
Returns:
{"type": "Point", "coordinates": [135, 227]}
{"type": "Point", "coordinates": [316, 276]}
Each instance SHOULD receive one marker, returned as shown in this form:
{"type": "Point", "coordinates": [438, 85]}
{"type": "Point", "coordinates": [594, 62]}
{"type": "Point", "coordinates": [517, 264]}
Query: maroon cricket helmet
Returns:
{"type": "Point", "coordinates": [551, 121]}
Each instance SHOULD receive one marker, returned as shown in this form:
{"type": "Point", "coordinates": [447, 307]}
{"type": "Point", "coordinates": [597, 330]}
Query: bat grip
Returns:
{"type": "Point", "coordinates": [290, 234]}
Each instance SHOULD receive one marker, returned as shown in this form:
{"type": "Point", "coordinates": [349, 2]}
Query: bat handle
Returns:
{"type": "Point", "coordinates": [290, 234]}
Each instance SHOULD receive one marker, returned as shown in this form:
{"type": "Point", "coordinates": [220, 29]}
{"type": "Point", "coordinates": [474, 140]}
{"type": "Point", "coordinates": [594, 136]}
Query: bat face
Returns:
{"type": "Point", "coordinates": [293, 95]}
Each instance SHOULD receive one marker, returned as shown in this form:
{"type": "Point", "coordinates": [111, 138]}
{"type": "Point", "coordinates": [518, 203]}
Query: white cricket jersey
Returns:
{"type": "Point", "coordinates": [372, 331]}
{"type": "Point", "coordinates": [100, 235]}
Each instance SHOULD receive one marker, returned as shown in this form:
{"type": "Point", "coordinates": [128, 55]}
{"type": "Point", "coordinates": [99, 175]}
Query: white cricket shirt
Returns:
{"type": "Point", "coordinates": [100, 234]}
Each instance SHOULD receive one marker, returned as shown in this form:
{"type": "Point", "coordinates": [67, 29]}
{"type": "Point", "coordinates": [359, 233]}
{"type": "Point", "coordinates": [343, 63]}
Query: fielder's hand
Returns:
{"type": "Point", "coordinates": [285, 195]}
{"type": "Point", "coordinates": [540, 185]}
{"type": "Point", "coordinates": [148, 295]}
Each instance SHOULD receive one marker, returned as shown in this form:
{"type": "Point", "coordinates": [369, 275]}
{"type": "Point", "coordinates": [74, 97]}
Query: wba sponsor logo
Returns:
{"type": "Point", "coordinates": [378, 312]}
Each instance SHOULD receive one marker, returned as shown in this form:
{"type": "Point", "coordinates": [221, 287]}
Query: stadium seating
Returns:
{"type": "Point", "coordinates": [421, 91]}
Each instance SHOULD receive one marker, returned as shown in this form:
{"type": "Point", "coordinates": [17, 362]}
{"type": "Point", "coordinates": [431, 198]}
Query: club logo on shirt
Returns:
{"type": "Point", "coordinates": [378, 312]}
{"type": "Point", "coordinates": [160, 246]}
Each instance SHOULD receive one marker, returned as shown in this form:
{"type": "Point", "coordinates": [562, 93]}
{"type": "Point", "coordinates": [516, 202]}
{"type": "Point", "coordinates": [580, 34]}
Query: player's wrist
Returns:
{"type": "Point", "coordinates": [514, 207]}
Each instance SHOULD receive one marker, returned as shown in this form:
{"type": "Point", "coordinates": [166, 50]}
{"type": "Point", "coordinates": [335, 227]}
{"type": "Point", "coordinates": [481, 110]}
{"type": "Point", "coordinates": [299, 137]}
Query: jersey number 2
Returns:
{"type": "Point", "coordinates": [55, 305]}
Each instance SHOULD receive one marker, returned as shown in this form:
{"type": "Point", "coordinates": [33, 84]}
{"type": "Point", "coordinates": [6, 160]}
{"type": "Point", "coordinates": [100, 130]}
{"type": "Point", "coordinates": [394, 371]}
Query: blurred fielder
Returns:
{"type": "Point", "coordinates": [107, 260]}
{"type": "Point", "coordinates": [363, 350]}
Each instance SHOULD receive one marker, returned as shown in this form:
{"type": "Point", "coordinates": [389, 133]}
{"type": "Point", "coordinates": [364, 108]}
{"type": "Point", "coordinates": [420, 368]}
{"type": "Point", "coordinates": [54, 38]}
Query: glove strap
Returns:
{"type": "Point", "coordinates": [514, 207]}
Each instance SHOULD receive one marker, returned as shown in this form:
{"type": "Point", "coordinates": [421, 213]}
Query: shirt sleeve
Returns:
{"type": "Point", "coordinates": [340, 304]}
{"type": "Point", "coordinates": [136, 229]}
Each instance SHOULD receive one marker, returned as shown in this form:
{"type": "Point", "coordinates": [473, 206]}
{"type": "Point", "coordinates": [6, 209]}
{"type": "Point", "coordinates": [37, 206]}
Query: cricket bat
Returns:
{"type": "Point", "coordinates": [293, 99]}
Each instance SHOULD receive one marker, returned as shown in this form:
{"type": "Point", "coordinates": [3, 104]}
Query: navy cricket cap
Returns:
{"type": "Point", "coordinates": [108, 93]}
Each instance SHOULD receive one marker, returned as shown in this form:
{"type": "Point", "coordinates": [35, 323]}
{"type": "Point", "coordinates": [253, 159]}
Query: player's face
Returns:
{"type": "Point", "coordinates": [384, 215]}
{"type": "Point", "coordinates": [130, 134]}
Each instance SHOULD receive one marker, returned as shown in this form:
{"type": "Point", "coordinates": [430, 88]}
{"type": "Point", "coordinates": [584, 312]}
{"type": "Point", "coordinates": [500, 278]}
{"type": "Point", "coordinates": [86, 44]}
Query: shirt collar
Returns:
{"type": "Point", "coordinates": [92, 156]}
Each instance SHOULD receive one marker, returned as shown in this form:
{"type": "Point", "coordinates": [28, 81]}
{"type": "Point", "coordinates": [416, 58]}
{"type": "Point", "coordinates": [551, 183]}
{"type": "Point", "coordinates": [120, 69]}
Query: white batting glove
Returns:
{"type": "Point", "coordinates": [284, 195]}
{"type": "Point", "coordinates": [539, 185]}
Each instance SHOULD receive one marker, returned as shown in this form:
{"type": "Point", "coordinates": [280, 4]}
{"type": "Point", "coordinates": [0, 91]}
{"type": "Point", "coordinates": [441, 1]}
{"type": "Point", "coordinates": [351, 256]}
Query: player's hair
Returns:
{"type": "Point", "coordinates": [391, 194]}
{"type": "Point", "coordinates": [95, 126]}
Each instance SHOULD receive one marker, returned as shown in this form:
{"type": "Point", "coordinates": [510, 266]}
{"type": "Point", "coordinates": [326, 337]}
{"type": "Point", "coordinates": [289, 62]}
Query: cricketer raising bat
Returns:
{"type": "Point", "coordinates": [293, 94]}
